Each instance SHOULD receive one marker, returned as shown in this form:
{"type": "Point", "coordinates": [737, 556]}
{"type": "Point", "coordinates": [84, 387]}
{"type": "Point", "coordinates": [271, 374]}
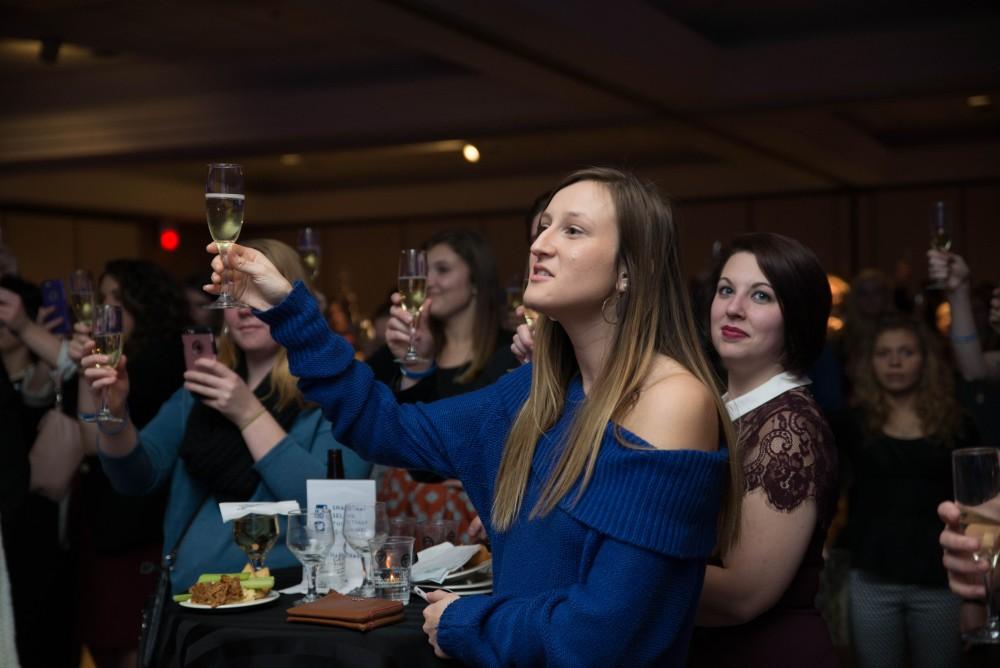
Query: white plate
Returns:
{"type": "Point", "coordinates": [271, 596]}
{"type": "Point", "coordinates": [488, 589]}
{"type": "Point", "coordinates": [458, 575]}
{"type": "Point", "coordinates": [457, 588]}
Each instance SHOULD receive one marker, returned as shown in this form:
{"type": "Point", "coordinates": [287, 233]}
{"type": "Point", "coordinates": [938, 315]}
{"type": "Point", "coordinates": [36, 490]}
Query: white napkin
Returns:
{"type": "Point", "coordinates": [234, 511]}
{"type": "Point", "coordinates": [437, 561]}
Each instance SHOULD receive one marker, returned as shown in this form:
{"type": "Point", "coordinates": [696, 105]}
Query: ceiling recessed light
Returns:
{"type": "Point", "coordinates": [979, 101]}
{"type": "Point", "coordinates": [291, 159]}
{"type": "Point", "coordinates": [470, 153]}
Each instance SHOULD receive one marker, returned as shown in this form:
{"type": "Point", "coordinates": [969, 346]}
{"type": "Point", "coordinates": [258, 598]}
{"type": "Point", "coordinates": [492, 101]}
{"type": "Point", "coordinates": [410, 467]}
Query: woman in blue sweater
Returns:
{"type": "Point", "coordinates": [239, 430]}
{"type": "Point", "coordinates": [597, 468]}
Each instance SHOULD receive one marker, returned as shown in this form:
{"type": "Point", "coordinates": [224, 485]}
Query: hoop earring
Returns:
{"type": "Point", "coordinates": [604, 307]}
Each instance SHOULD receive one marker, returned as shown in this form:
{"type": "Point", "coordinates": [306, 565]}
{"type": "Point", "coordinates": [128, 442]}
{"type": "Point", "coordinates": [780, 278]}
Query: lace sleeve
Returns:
{"type": "Point", "coordinates": [786, 451]}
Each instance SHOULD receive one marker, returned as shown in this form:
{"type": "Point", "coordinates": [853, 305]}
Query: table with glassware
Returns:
{"type": "Point", "coordinates": [259, 636]}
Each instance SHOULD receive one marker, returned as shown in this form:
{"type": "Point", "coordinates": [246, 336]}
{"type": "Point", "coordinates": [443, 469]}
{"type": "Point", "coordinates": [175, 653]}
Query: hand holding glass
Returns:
{"type": "Point", "coordinates": [940, 229]}
{"type": "Point", "coordinates": [224, 203]}
{"type": "Point", "coordinates": [107, 335]}
{"type": "Point", "coordinates": [976, 474]}
{"type": "Point", "coordinates": [310, 538]}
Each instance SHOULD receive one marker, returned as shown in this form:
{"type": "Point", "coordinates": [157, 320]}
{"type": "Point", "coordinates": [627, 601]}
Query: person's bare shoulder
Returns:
{"type": "Point", "coordinates": [675, 411]}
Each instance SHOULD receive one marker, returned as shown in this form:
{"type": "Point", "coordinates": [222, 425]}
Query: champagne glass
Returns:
{"type": "Point", "coordinates": [107, 335]}
{"type": "Point", "coordinates": [365, 524]}
{"type": "Point", "coordinates": [530, 315]}
{"type": "Point", "coordinates": [81, 296]}
{"type": "Point", "coordinates": [940, 229]}
{"type": "Point", "coordinates": [413, 290]}
{"type": "Point", "coordinates": [310, 251]}
{"type": "Point", "coordinates": [310, 538]}
{"type": "Point", "coordinates": [256, 535]}
{"type": "Point", "coordinates": [976, 474]}
{"type": "Point", "coordinates": [224, 202]}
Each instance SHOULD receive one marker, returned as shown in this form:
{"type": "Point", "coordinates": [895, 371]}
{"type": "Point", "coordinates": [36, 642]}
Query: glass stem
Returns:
{"type": "Point", "coordinates": [992, 619]}
{"type": "Point", "coordinates": [366, 566]}
{"type": "Point", "coordinates": [104, 401]}
{"type": "Point", "coordinates": [313, 571]}
{"type": "Point", "coordinates": [223, 253]}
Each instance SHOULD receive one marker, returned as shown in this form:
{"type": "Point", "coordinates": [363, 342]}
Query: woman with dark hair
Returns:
{"type": "Point", "coordinates": [768, 326]}
{"type": "Point", "coordinates": [239, 430]}
{"type": "Point", "coordinates": [466, 349]}
{"type": "Point", "coordinates": [899, 439]}
{"type": "Point", "coordinates": [121, 537]}
{"type": "Point", "coordinates": [597, 469]}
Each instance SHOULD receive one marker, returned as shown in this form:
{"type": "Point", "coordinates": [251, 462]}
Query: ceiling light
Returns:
{"type": "Point", "coordinates": [291, 159]}
{"type": "Point", "coordinates": [979, 101]}
{"type": "Point", "coordinates": [470, 153]}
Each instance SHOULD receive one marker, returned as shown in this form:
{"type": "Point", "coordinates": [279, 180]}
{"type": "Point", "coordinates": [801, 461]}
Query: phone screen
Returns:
{"type": "Point", "coordinates": [197, 343]}
{"type": "Point", "coordinates": [54, 295]}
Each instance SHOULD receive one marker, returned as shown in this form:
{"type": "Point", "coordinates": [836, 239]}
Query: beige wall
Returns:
{"type": "Point", "coordinates": [360, 256]}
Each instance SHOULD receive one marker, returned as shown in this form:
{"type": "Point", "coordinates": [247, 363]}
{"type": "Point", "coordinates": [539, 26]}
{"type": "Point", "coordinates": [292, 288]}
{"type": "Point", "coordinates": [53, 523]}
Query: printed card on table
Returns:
{"type": "Point", "coordinates": [335, 494]}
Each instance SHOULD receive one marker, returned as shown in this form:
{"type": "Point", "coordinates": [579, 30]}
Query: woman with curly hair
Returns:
{"type": "Point", "coordinates": [898, 439]}
{"type": "Point", "coordinates": [120, 536]}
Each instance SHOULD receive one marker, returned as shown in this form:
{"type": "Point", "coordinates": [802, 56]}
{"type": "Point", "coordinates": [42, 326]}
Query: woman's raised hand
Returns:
{"type": "Point", "coordinates": [523, 345]}
{"type": "Point", "coordinates": [81, 343]}
{"type": "Point", "coordinates": [222, 388]}
{"type": "Point", "coordinates": [254, 279]}
{"type": "Point", "coordinates": [947, 268]}
{"type": "Point", "coordinates": [965, 575]}
{"type": "Point", "coordinates": [103, 376]}
{"type": "Point", "coordinates": [397, 330]}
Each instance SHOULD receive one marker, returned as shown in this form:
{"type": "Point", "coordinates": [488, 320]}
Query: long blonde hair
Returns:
{"type": "Point", "coordinates": [283, 383]}
{"type": "Point", "coordinates": [654, 318]}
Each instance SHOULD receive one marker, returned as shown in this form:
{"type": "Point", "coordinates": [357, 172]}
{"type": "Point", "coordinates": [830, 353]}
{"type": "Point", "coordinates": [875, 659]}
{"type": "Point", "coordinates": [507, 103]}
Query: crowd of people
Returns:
{"type": "Point", "coordinates": [724, 455]}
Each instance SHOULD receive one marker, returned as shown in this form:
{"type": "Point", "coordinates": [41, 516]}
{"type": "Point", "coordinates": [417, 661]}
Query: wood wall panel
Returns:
{"type": "Point", "coordinates": [44, 245]}
{"type": "Point", "coordinates": [820, 222]}
{"type": "Point", "coordinates": [702, 224]}
{"type": "Point", "coordinates": [99, 241]}
{"type": "Point", "coordinates": [981, 245]}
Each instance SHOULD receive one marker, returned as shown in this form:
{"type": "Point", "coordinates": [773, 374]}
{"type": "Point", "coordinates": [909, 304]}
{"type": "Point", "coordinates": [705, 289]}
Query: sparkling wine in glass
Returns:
{"type": "Point", "coordinates": [256, 535]}
{"type": "Point", "coordinates": [81, 296]}
{"type": "Point", "coordinates": [106, 331]}
{"type": "Point", "coordinates": [976, 474]}
{"type": "Point", "coordinates": [530, 315]}
{"type": "Point", "coordinates": [413, 291]}
{"type": "Point", "coordinates": [310, 538]}
{"type": "Point", "coordinates": [365, 524]}
{"type": "Point", "coordinates": [310, 251]}
{"type": "Point", "coordinates": [224, 202]}
{"type": "Point", "coordinates": [940, 230]}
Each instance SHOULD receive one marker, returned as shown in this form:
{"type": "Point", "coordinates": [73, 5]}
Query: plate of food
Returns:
{"type": "Point", "coordinates": [226, 591]}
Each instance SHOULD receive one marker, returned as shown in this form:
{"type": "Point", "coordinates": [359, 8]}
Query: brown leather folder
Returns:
{"type": "Point", "coordinates": [361, 614]}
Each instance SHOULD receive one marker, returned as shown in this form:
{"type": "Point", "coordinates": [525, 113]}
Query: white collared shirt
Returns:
{"type": "Point", "coordinates": [762, 394]}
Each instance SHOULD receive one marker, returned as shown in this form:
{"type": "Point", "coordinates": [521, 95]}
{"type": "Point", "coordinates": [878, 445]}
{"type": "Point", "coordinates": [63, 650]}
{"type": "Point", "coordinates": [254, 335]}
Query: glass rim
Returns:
{"type": "Point", "coordinates": [978, 450]}
{"type": "Point", "coordinates": [395, 540]}
{"type": "Point", "coordinates": [212, 165]}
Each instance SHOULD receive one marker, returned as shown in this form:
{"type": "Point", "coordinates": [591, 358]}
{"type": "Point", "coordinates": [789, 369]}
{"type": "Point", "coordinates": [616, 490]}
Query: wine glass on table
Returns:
{"type": "Point", "coordinates": [81, 296]}
{"type": "Point", "coordinates": [412, 291]}
{"type": "Point", "coordinates": [256, 535]}
{"type": "Point", "coordinates": [976, 474]}
{"type": "Point", "coordinates": [106, 332]}
{"type": "Point", "coordinates": [224, 203]}
{"type": "Point", "coordinates": [310, 251]}
{"type": "Point", "coordinates": [310, 538]}
{"type": "Point", "coordinates": [940, 229]}
{"type": "Point", "coordinates": [365, 524]}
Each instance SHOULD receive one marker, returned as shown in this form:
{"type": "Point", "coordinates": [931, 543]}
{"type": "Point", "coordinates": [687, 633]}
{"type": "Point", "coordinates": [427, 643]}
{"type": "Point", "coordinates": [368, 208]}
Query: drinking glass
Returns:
{"type": "Point", "coordinates": [364, 524]}
{"type": "Point", "coordinates": [391, 561]}
{"type": "Point", "coordinates": [310, 251]}
{"type": "Point", "coordinates": [530, 315]}
{"type": "Point", "coordinates": [106, 331]}
{"type": "Point", "coordinates": [224, 203]}
{"type": "Point", "coordinates": [256, 535]}
{"type": "Point", "coordinates": [310, 538]}
{"type": "Point", "coordinates": [81, 296]}
{"type": "Point", "coordinates": [940, 229]}
{"type": "Point", "coordinates": [976, 474]}
{"type": "Point", "coordinates": [413, 290]}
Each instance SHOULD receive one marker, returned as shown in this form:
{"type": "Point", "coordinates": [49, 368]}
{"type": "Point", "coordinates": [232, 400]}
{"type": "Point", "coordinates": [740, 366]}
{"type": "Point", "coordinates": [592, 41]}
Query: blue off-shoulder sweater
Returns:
{"type": "Point", "coordinates": [612, 579]}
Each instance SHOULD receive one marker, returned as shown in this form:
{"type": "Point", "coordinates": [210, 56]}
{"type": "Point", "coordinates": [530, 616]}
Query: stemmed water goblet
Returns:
{"type": "Point", "coordinates": [310, 538]}
{"type": "Point", "coordinates": [976, 474]}
{"type": "Point", "coordinates": [224, 205]}
{"type": "Point", "coordinates": [365, 524]}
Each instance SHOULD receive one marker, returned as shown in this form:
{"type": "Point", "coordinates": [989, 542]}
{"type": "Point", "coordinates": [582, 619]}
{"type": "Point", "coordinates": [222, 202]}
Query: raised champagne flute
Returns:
{"type": "Point", "coordinates": [81, 296]}
{"type": "Point", "coordinates": [256, 535]}
{"type": "Point", "coordinates": [940, 229]}
{"type": "Point", "coordinates": [310, 538]}
{"type": "Point", "coordinates": [224, 203]}
{"type": "Point", "coordinates": [413, 291]}
{"type": "Point", "coordinates": [106, 331]}
{"type": "Point", "coordinates": [976, 474]}
{"type": "Point", "coordinates": [310, 251]}
{"type": "Point", "coordinates": [530, 315]}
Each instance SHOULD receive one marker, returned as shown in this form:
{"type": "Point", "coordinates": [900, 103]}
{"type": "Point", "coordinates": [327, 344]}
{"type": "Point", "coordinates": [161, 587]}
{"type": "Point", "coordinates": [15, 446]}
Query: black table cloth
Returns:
{"type": "Point", "coordinates": [260, 636]}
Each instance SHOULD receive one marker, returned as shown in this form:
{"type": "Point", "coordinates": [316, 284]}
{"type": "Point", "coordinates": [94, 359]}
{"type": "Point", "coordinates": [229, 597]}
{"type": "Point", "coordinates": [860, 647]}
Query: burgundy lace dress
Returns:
{"type": "Point", "coordinates": [789, 452]}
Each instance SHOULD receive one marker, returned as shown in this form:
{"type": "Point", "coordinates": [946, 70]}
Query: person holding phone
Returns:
{"type": "Point", "coordinates": [238, 430]}
{"type": "Point", "coordinates": [597, 469]}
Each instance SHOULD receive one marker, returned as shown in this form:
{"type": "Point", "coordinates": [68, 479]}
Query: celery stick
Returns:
{"type": "Point", "coordinates": [258, 583]}
{"type": "Point", "coordinates": [182, 597]}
